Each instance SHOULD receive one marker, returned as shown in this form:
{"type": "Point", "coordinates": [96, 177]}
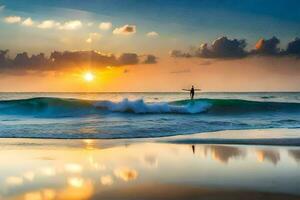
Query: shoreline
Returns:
{"type": "Point", "coordinates": [273, 136]}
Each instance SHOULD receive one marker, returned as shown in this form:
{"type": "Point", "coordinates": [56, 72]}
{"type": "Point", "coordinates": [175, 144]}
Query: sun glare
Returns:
{"type": "Point", "coordinates": [88, 76]}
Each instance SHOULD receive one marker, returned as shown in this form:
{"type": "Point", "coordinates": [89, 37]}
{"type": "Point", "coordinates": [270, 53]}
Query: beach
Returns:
{"type": "Point", "coordinates": [157, 168]}
{"type": "Point", "coordinates": [149, 100]}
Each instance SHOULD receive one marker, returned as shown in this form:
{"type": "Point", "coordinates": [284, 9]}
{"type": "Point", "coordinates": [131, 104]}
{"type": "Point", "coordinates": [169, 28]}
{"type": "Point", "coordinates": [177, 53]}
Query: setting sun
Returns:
{"type": "Point", "coordinates": [88, 76]}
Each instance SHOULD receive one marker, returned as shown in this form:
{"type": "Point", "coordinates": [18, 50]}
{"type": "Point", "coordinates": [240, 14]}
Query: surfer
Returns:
{"type": "Point", "coordinates": [192, 92]}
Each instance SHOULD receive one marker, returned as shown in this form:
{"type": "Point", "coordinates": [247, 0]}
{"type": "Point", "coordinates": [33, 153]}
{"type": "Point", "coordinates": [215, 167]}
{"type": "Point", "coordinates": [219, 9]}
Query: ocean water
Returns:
{"type": "Point", "coordinates": [136, 115]}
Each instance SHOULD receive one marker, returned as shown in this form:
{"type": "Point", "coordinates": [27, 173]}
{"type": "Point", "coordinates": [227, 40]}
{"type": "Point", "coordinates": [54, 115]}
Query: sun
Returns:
{"type": "Point", "coordinates": [88, 76]}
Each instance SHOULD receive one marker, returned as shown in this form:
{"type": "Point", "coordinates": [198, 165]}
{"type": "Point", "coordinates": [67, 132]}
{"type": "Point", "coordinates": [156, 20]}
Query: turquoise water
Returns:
{"type": "Point", "coordinates": [135, 115]}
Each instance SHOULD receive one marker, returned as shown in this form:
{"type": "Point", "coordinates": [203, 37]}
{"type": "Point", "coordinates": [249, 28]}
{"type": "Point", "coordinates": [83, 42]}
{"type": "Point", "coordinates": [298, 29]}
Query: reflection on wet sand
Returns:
{"type": "Point", "coordinates": [129, 172]}
{"type": "Point", "coordinates": [223, 153]}
{"type": "Point", "coordinates": [150, 160]}
{"type": "Point", "coordinates": [73, 167]}
{"type": "Point", "coordinates": [77, 189]}
{"type": "Point", "coordinates": [48, 194]}
{"type": "Point", "coordinates": [29, 175]}
{"type": "Point", "coordinates": [14, 180]}
{"type": "Point", "coordinates": [295, 154]}
{"type": "Point", "coordinates": [106, 180]}
{"type": "Point", "coordinates": [272, 156]}
{"type": "Point", "coordinates": [126, 174]}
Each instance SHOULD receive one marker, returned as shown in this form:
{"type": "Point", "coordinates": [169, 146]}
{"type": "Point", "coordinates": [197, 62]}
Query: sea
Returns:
{"type": "Point", "coordinates": [142, 115]}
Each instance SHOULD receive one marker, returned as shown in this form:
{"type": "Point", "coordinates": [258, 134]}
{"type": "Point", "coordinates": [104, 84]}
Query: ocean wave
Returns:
{"type": "Point", "coordinates": [140, 107]}
{"type": "Point", "coordinates": [60, 107]}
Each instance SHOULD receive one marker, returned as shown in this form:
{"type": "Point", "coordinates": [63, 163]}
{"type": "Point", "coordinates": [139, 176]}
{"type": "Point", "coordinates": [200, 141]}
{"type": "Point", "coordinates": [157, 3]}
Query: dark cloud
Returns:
{"type": "Point", "coordinates": [224, 48]}
{"type": "Point", "coordinates": [293, 48]}
{"type": "Point", "coordinates": [150, 59]}
{"type": "Point", "coordinates": [3, 57]}
{"type": "Point", "coordinates": [267, 47]}
{"type": "Point", "coordinates": [220, 48]}
{"type": "Point", "coordinates": [80, 57]}
{"type": "Point", "coordinates": [61, 60]}
{"type": "Point", "coordinates": [128, 59]}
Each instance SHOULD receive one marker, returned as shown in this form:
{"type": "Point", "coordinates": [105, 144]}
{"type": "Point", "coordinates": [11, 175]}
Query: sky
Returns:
{"type": "Point", "coordinates": [143, 46]}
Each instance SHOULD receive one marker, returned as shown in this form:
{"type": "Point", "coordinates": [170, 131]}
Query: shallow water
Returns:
{"type": "Point", "coordinates": [135, 115]}
{"type": "Point", "coordinates": [91, 169]}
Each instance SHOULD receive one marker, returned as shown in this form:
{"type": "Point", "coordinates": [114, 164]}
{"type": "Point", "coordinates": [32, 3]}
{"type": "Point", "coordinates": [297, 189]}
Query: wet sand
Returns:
{"type": "Point", "coordinates": [159, 191]}
{"type": "Point", "coordinates": [146, 169]}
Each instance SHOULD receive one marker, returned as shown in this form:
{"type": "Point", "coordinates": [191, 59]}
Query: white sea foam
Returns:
{"type": "Point", "coordinates": [139, 106]}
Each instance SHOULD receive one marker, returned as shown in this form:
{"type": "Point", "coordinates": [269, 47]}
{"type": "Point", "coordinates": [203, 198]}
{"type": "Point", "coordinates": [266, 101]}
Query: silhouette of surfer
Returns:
{"type": "Point", "coordinates": [192, 92]}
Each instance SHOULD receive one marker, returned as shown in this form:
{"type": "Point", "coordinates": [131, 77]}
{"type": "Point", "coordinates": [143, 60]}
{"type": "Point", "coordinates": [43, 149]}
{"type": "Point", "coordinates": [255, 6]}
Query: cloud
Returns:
{"type": "Point", "coordinates": [178, 53]}
{"type": "Point", "coordinates": [105, 25]}
{"type": "Point", "coordinates": [71, 25]}
{"type": "Point", "coordinates": [220, 48]}
{"type": "Point", "coordinates": [224, 48]}
{"type": "Point", "coordinates": [293, 47]}
{"type": "Point", "coordinates": [129, 58]}
{"type": "Point", "coordinates": [12, 19]}
{"type": "Point", "coordinates": [47, 24]}
{"type": "Point", "coordinates": [3, 57]}
{"type": "Point", "coordinates": [152, 34]}
{"type": "Point", "coordinates": [57, 60]}
{"type": "Point", "coordinates": [267, 46]}
{"type": "Point", "coordinates": [125, 30]}
{"type": "Point", "coordinates": [93, 37]}
{"type": "Point", "coordinates": [150, 59]}
{"type": "Point", "coordinates": [28, 22]}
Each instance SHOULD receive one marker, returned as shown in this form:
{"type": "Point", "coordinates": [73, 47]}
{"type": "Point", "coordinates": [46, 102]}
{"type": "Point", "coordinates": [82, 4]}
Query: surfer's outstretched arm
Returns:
{"type": "Point", "coordinates": [185, 90]}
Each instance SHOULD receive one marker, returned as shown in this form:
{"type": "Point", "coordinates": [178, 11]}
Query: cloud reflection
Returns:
{"type": "Point", "coordinates": [75, 182]}
{"type": "Point", "coordinates": [150, 160]}
{"type": "Point", "coordinates": [29, 175]}
{"type": "Point", "coordinates": [45, 194]}
{"type": "Point", "coordinates": [73, 168]}
{"type": "Point", "coordinates": [78, 189]}
{"type": "Point", "coordinates": [269, 155]}
{"type": "Point", "coordinates": [223, 153]}
{"type": "Point", "coordinates": [14, 180]}
{"type": "Point", "coordinates": [295, 154]}
{"type": "Point", "coordinates": [106, 180]}
{"type": "Point", "coordinates": [48, 171]}
{"type": "Point", "coordinates": [126, 174]}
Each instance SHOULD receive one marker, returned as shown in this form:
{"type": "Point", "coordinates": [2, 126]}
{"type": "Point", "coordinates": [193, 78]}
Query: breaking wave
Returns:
{"type": "Point", "coordinates": [60, 107]}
